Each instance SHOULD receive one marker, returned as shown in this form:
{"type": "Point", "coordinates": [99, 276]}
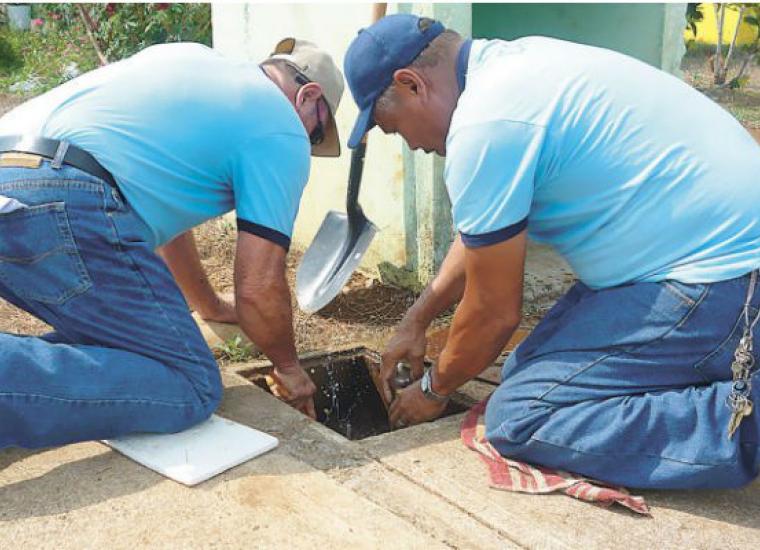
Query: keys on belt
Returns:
{"type": "Point", "coordinates": [742, 368]}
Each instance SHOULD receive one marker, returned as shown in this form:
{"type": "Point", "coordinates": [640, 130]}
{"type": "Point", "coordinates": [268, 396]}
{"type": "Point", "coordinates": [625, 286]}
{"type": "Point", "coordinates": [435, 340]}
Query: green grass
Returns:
{"type": "Point", "coordinates": [41, 56]}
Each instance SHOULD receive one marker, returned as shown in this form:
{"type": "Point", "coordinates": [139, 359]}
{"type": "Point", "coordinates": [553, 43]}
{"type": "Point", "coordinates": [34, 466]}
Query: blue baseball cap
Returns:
{"type": "Point", "coordinates": [375, 54]}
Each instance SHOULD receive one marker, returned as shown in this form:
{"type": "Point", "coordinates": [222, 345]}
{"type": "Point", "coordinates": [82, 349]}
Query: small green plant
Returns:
{"type": "Point", "coordinates": [234, 350]}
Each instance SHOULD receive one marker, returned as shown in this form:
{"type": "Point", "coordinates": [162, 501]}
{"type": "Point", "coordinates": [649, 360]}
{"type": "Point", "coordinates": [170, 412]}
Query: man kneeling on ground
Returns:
{"type": "Point", "coordinates": [628, 378]}
{"type": "Point", "coordinates": [98, 173]}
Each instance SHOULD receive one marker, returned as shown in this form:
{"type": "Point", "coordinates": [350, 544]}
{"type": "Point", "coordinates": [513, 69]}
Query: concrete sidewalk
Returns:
{"type": "Point", "coordinates": [415, 488]}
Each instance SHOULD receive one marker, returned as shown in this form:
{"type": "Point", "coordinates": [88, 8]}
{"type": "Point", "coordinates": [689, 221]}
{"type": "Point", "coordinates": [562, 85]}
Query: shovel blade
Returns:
{"type": "Point", "coordinates": [327, 264]}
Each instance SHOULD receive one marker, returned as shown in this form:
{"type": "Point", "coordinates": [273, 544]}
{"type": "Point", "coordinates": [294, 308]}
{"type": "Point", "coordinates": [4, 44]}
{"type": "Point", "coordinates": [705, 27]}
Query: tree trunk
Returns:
{"type": "Point", "coordinates": [89, 26]}
{"type": "Point", "coordinates": [720, 11]}
{"type": "Point", "coordinates": [751, 53]}
{"type": "Point", "coordinates": [733, 42]}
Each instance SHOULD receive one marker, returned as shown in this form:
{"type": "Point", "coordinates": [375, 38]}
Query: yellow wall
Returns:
{"type": "Point", "coordinates": [707, 31]}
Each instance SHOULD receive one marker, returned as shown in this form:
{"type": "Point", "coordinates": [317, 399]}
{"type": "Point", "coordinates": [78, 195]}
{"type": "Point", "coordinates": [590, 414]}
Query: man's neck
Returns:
{"type": "Point", "coordinates": [280, 80]}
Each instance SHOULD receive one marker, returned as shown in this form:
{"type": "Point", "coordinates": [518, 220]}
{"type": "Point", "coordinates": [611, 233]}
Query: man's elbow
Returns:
{"type": "Point", "coordinates": [503, 324]}
{"type": "Point", "coordinates": [265, 288]}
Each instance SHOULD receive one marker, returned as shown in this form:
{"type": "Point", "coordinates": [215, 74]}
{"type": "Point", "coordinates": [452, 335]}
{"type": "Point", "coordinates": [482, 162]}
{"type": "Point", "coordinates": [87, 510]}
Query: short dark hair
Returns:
{"type": "Point", "coordinates": [433, 54]}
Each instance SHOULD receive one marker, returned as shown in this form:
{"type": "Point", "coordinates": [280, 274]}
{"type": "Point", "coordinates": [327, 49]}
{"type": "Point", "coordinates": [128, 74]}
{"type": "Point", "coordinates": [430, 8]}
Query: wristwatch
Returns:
{"type": "Point", "coordinates": [426, 385]}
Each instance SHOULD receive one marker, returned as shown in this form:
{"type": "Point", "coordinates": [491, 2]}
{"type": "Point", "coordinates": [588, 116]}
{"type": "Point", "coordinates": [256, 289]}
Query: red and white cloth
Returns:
{"type": "Point", "coordinates": [512, 475]}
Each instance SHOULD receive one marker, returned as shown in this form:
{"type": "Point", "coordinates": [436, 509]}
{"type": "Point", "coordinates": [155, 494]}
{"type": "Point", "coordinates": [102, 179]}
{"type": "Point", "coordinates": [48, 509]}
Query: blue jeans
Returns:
{"type": "Point", "coordinates": [126, 355]}
{"type": "Point", "coordinates": [628, 385]}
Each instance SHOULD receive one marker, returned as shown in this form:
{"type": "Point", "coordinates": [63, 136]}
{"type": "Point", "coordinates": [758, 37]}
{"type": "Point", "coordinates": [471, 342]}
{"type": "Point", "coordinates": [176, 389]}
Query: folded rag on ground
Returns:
{"type": "Point", "coordinates": [512, 475]}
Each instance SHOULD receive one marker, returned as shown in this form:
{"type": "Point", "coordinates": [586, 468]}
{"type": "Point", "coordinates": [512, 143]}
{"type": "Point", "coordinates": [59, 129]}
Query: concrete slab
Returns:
{"type": "Point", "coordinates": [87, 496]}
{"type": "Point", "coordinates": [273, 501]}
{"type": "Point", "coordinates": [682, 519]}
{"type": "Point", "coordinates": [413, 488]}
{"type": "Point", "coordinates": [547, 276]}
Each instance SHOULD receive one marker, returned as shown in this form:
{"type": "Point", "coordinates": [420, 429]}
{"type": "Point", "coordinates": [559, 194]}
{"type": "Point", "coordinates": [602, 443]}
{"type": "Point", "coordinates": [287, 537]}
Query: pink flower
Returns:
{"type": "Point", "coordinates": [162, 7]}
{"type": "Point", "coordinates": [38, 22]}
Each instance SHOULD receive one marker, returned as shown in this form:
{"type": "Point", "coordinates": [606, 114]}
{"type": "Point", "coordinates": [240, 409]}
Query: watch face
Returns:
{"type": "Point", "coordinates": [425, 382]}
{"type": "Point", "coordinates": [426, 385]}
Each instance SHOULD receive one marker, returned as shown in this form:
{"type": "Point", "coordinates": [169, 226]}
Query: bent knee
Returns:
{"type": "Point", "coordinates": [215, 389]}
{"type": "Point", "coordinates": [512, 419]}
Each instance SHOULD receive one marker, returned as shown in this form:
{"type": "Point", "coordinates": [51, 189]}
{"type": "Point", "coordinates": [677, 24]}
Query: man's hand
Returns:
{"type": "Point", "coordinates": [222, 311]}
{"type": "Point", "coordinates": [412, 407]}
{"type": "Point", "coordinates": [408, 344]}
{"type": "Point", "coordinates": [294, 386]}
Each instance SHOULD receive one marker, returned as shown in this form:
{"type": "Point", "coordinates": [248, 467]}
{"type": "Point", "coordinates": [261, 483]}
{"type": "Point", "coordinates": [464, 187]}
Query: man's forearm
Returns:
{"type": "Point", "coordinates": [443, 292]}
{"type": "Point", "coordinates": [475, 340]}
{"type": "Point", "coordinates": [181, 255]}
{"type": "Point", "coordinates": [265, 316]}
{"type": "Point", "coordinates": [488, 314]}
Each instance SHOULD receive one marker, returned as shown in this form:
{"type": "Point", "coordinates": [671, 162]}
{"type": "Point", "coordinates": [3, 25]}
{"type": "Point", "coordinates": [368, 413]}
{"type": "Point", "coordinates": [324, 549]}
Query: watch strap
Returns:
{"type": "Point", "coordinates": [427, 387]}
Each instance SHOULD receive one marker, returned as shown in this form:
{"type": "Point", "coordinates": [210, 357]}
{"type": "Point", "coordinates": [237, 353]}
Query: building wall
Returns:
{"type": "Point", "coordinates": [250, 31]}
{"type": "Point", "coordinates": [644, 31]}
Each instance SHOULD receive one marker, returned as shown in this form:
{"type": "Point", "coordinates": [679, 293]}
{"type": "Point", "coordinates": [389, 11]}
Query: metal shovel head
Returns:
{"type": "Point", "coordinates": [328, 262]}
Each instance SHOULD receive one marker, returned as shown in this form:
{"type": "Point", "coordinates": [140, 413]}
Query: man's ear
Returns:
{"type": "Point", "coordinates": [410, 83]}
{"type": "Point", "coordinates": [309, 92]}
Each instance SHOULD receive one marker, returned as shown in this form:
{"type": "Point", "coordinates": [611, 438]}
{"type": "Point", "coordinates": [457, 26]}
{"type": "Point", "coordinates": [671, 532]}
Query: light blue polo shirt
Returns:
{"type": "Point", "coordinates": [188, 135]}
{"type": "Point", "coordinates": [628, 172]}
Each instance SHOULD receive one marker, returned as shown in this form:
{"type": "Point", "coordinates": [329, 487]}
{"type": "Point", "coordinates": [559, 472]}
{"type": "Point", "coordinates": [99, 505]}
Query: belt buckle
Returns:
{"type": "Point", "coordinates": [20, 160]}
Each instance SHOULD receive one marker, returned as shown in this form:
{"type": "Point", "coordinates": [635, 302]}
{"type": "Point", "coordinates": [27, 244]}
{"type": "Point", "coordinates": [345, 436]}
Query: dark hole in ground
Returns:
{"type": "Point", "coordinates": [347, 400]}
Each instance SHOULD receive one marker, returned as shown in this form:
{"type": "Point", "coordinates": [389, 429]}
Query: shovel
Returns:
{"type": "Point", "coordinates": [338, 246]}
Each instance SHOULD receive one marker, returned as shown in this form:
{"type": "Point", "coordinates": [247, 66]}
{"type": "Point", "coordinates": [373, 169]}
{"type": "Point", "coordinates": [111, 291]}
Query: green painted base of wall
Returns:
{"type": "Point", "coordinates": [639, 30]}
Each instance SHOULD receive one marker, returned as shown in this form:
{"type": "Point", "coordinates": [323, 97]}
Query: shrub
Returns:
{"type": "Point", "coordinates": [10, 60]}
{"type": "Point", "coordinates": [121, 30]}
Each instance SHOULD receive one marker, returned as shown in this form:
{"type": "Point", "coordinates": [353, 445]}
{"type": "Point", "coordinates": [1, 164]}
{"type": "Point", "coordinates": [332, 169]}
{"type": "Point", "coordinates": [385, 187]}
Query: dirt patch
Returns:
{"type": "Point", "coordinates": [366, 300]}
{"type": "Point", "coordinates": [8, 102]}
{"type": "Point", "coordinates": [17, 321]}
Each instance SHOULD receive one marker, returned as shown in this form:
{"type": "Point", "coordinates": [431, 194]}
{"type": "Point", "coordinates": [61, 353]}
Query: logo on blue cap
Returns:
{"type": "Point", "coordinates": [375, 54]}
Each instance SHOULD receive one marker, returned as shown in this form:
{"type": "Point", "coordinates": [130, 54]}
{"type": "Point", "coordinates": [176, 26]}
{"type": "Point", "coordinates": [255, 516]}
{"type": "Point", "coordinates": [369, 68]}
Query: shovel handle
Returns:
{"type": "Point", "coordinates": [353, 209]}
{"type": "Point", "coordinates": [355, 180]}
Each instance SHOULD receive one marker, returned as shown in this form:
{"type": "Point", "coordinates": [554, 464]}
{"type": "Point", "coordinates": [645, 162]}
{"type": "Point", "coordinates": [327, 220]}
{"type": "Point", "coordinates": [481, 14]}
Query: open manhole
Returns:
{"type": "Point", "coordinates": [347, 400]}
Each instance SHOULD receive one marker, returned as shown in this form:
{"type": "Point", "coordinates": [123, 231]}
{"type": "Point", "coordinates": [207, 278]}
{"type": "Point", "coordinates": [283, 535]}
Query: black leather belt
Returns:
{"type": "Point", "coordinates": [59, 152]}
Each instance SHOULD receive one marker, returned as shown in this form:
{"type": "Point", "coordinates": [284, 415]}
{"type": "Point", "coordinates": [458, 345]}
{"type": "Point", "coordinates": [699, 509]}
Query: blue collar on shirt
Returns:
{"type": "Point", "coordinates": [463, 59]}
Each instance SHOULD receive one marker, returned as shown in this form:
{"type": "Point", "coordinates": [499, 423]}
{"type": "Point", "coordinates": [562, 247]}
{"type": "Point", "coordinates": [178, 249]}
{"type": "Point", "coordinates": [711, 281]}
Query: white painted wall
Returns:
{"type": "Point", "coordinates": [250, 31]}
